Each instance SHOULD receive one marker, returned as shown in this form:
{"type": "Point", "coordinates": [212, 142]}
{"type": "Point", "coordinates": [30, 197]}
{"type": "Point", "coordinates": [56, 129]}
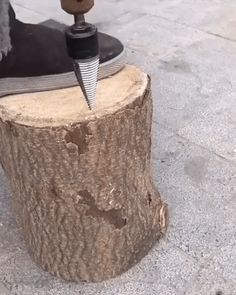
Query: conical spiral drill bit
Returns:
{"type": "Point", "coordinates": [87, 76]}
{"type": "Point", "coordinates": [82, 44]}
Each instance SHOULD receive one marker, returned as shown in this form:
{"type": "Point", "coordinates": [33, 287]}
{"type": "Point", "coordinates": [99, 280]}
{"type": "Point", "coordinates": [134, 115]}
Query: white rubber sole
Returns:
{"type": "Point", "coordinates": [10, 86]}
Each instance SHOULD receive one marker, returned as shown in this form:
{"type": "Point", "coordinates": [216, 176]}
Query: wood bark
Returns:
{"type": "Point", "coordinates": [81, 180]}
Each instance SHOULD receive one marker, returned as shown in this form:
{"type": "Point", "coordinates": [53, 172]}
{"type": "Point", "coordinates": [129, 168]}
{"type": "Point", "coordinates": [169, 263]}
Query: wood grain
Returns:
{"type": "Point", "coordinates": [83, 190]}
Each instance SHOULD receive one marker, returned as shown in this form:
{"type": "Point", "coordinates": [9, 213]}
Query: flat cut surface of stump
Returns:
{"type": "Point", "coordinates": [81, 179]}
{"type": "Point", "coordinates": [68, 106]}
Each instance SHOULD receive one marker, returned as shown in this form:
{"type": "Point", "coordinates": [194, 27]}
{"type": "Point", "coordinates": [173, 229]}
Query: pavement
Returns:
{"type": "Point", "coordinates": [189, 49]}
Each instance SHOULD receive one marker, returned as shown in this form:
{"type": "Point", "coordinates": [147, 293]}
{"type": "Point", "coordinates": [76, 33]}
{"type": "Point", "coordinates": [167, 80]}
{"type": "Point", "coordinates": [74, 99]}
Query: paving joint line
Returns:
{"type": "Point", "coordinates": [192, 27]}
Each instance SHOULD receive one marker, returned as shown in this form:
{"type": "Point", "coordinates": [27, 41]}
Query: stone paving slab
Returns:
{"type": "Point", "coordinates": [221, 124]}
{"type": "Point", "coordinates": [213, 16]}
{"type": "Point", "coordinates": [199, 225]}
{"type": "Point", "coordinates": [160, 36]}
{"type": "Point", "coordinates": [188, 47]}
{"type": "Point", "coordinates": [210, 282]}
{"type": "Point", "coordinates": [184, 91]}
{"type": "Point", "coordinates": [26, 16]}
{"type": "Point", "coordinates": [4, 290]}
{"type": "Point", "coordinates": [180, 163]}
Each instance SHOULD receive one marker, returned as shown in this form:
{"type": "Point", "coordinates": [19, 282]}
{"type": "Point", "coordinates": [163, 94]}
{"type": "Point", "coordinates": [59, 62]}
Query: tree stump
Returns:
{"type": "Point", "coordinates": [81, 179]}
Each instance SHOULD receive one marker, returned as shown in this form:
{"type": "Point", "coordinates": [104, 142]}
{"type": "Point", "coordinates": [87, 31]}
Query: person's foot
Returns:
{"type": "Point", "coordinates": [39, 61]}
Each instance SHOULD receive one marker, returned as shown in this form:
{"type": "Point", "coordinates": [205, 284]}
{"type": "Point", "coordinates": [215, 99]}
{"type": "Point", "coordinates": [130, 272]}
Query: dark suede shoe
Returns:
{"type": "Point", "coordinates": [39, 61]}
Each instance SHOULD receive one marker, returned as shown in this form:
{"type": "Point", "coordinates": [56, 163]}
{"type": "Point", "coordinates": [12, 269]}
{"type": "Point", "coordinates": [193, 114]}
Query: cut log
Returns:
{"type": "Point", "coordinates": [81, 179]}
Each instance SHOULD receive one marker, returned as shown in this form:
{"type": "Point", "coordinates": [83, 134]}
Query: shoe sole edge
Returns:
{"type": "Point", "coordinates": [11, 86]}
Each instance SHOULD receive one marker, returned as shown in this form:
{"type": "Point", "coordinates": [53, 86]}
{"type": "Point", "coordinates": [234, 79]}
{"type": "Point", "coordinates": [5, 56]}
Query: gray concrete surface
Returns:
{"type": "Point", "coordinates": [189, 49]}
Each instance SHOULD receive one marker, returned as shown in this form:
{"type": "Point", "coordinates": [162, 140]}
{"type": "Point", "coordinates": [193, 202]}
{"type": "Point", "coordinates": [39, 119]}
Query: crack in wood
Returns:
{"type": "Point", "coordinates": [78, 137]}
{"type": "Point", "coordinates": [113, 216]}
{"type": "Point", "coordinates": [149, 196]}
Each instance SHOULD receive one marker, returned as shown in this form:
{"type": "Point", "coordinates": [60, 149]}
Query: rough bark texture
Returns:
{"type": "Point", "coordinates": [83, 192]}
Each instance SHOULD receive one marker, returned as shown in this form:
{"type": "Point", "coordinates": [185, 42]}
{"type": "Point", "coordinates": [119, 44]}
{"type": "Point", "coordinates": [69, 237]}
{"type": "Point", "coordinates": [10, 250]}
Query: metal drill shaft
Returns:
{"type": "Point", "coordinates": [79, 20]}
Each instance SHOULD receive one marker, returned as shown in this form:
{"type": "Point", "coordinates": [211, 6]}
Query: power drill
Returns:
{"type": "Point", "coordinates": [82, 44]}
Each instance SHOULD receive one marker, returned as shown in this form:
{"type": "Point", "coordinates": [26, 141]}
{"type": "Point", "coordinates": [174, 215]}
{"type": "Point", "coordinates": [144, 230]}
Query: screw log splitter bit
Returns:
{"type": "Point", "coordinates": [82, 44]}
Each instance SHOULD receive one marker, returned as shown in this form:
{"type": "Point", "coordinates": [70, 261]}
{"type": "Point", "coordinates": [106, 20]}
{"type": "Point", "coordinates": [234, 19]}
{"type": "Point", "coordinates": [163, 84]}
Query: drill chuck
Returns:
{"type": "Point", "coordinates": [82, 42]}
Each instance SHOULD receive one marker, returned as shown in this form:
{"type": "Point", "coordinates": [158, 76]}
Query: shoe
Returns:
{"type": "Point", "coordinates": [39, 61]}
